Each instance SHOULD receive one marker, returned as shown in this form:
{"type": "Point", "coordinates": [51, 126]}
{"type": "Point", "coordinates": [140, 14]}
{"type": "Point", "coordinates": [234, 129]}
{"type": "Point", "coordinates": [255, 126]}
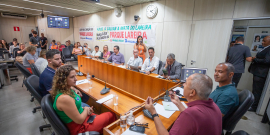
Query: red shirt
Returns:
{"type": "Point", "coordinates": [61, 48]}
{"type": "Point", "coordinates": [200, 118]}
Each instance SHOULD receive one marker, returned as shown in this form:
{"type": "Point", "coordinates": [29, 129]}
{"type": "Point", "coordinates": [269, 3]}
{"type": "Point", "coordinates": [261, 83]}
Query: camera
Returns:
{"type": "Point", "coordinates": [136, 17]}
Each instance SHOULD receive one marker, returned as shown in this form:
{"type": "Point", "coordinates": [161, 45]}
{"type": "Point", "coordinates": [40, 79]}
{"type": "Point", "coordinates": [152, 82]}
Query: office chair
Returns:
{"type": "Point", "coordinates": [101, 56]}
{"type": "Point", "coordinates": [246, 99]}
{"type": "Point", "coordinates": [66, 55]}
{"type": "Point", "coordinates": [70, 49]}
{"type": "Point", "coordinates": [32, 84]}
{"type": "Point", "coordinates": [159, 65]}
{"type": "Point", "coordinates": [14, 54]}
{"type": "Point", "coordinates": [35, 70]}
{"type": "Point", "coordinates": [240, 132]}
{"type": "Point", "coordinates": [58, 126]}
{"type": "Point", "coordinates": [111, 52]}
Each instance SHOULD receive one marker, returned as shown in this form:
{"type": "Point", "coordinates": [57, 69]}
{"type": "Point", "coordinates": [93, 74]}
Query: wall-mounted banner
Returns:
{"type": "Point", "coordinates": [87, 33]}
{"type": "Point", "coordinates": [127, 34]}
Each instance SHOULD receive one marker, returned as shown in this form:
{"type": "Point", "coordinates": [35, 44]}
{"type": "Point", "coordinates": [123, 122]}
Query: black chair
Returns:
{"type": "Point", "coordinates": [240, 132]}
{"type": "Point", "coordinates": [101, 56]}
{"type": "Point", "coordinates": [159, 65]}
{"type": "Point", "coordinates": [66, 55]}
{"type": "Point", "coordinates": [111, 52]}
{"type": "Point", "coordinates": [2, 50]}
{"type": "Point", "coordinates": [70, 49]}
{"type": "Point", "coordinates": [15, 50]}
{"type": "Point", "coordinates": [246, 99]}
{"type": "Point", "coordinates": [58, 126]}
{"type": "Point", "coordinates": [34, 69]}
{"type": "Point", "coordinates": [32, 84]}
{"type": "Point", "coordinates": [24, 71]}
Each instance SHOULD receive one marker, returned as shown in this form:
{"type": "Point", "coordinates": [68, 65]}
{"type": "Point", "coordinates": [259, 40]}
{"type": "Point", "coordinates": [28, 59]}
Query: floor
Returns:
{"type": "Point", "coordinates": [16, 117]}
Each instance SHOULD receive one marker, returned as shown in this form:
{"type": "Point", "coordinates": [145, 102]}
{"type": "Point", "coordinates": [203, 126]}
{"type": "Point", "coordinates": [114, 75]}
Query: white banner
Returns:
{"type": "Point", "coordinates": [87, 33]}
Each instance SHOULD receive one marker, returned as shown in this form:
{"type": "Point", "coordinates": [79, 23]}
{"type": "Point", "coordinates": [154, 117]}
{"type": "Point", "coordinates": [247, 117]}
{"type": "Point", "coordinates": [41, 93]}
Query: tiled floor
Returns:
{"type": "Point", "coordinates": [16, 117]}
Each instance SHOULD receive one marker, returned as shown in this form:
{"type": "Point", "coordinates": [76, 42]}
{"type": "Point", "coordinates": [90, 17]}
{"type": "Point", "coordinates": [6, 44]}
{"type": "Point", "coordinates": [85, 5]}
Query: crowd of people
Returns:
{"type": "Point", "coordinates": [70, 106]}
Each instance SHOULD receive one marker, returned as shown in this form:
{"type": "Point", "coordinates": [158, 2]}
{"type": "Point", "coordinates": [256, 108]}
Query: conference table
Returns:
{"type": "Point", "coordinates": [131, 87]}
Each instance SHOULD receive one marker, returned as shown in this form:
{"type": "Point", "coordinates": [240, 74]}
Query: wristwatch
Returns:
{"type": "Point", "coordinates": [150, 71]}
{"type": "Point", "coordinates": [154, 115]}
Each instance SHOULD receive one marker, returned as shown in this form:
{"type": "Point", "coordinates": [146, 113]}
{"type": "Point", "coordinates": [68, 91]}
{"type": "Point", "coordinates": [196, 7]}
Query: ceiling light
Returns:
{"type": "Point", "coordinates": [2, 4]}
{"type": "Point", "coordinates": [24, 7]}
{"type": "Point", "coordinates": [104, 5]}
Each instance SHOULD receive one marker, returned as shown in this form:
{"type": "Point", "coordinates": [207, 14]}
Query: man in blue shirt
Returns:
{"type": "Point", "coordinates": [225, 95]}
{"type": "Point", "coordinates": [46, 78]}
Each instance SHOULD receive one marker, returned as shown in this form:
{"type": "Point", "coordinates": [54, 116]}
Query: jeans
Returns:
{"type": "Point", "coordinates": [38, 50]}
{"type": "Point", "coordinates": [85, 105]}
{"type": "Point", "coordinates": [236, 78]}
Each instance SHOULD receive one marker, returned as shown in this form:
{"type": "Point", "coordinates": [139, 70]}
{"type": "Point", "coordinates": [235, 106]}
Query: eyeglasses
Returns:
{"type": "Point", "coordinates": [141, 125]}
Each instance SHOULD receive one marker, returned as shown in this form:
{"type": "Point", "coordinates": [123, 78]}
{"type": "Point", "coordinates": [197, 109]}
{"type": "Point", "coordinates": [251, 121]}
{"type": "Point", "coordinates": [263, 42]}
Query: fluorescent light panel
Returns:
{"type": "Point", "coordinates": [104, 5]}
{"type": "Point", "coordinates": [24, 8]}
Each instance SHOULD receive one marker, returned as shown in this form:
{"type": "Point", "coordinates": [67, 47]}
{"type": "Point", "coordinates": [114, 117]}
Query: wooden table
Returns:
{"type": "Point", "coordinates": [132, 89]}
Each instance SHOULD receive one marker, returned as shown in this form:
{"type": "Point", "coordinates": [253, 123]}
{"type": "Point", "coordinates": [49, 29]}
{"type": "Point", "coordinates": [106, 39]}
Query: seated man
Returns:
{"type": "Point", "coordinates": [117, 57]}
{"type": "Point", "coordinates": [96, 53]}
{"type": "Point", "coordinates": [150, 64]}
{"type": "Point", "coordinates": [135, 60]}
{"type": "Point", "coordinates": [225, 95]}
{"type": "Point", "coordinates": [202, 117]}
{"type": "Point", "coordinates": [172, 67]}
{"type": "Point", "coordinates": [54, 62]}
{"type": "Point", "coordinates": [86, 49]}
{"type": "Point", "coordinates": [13, 45]}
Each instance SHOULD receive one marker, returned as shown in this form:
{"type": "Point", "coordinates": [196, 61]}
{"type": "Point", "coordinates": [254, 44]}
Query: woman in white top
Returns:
{"type": "Point", "coordinates": [42, 62]}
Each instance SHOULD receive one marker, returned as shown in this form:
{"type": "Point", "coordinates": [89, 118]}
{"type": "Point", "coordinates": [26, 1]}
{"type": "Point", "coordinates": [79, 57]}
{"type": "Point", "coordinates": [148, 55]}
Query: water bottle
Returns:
{"type": "Point", "coordinates": [115, 100]}
{"type": "Point", "coordinates": [130, 119]}
{"type": "Point", "coordinates": [89, 81]}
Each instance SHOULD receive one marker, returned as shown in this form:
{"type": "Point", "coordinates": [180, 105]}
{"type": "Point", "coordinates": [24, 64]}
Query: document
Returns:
{"type": "Point", "coordinates": [129, 132]}
{"type": "Point", "coordinates": [159, 76]}
{"type": "Point", "coordinates": [88, 57]}
{"type": "Point", "coordinates": [105, 99]}
{"type": "Point", "coordinates": [122, 66]}
{"type": "Point", "coordinates": [81, 81]}
{"type": "Point", "coordinates": [170, 106]}
{"type": "Point", "coordinates": [161, 111]}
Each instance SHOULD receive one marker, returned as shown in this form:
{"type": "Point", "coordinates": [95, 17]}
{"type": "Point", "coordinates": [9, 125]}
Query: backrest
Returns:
{"type": "Point", "coordinates": [159, 65]}
{"type": "Point", "coordinates": [240, 132]}
{"type": "Point", "coordinates": [246, 99]}
{"type": "Point", "coordinates": [2, 52]}
{"type": "Point", "coordinates": [24, 71]}
{"type": "Point", "coordinates": [47, 108]}
{"type": "Point", "coordinates": [32, 84]}
{"type": "Point", "coordinates": [70, 49]}
{"type": "Point", "coordinates": [66, 53]}
{"type": "Point", "coordinates": [101, 55]}
{"type": "Point", "coordinates": [35, 70]}
{"type": "Point", "coordinates": [15, 52]}
{"type": "Point", "coordinates": [111, 52]}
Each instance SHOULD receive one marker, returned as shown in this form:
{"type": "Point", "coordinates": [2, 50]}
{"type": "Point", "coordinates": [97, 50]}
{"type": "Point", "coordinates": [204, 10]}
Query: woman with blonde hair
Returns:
{"type": "Point", "coordinates": [67, 104]}
{"type": "Point", "coordinates": [22, 50]}
{"type": "Point", "coordinates": [106, 52]}
{"type": "Point", "coordinates": [29, 58]}
{"type": "Point", "coordinates": [41, 62]}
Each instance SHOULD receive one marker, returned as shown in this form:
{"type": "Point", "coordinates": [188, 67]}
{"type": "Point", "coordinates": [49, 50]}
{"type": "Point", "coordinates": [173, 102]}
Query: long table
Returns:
{"type": "Point", "coordinates": [132, 89]}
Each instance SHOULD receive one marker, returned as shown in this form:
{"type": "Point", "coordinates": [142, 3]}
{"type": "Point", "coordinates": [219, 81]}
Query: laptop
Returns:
{"type": "Point", "coordinates": [186, 72]}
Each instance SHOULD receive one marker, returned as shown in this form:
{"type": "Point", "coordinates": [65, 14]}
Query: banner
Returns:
{"type": "Point", "coordinates": [87, 33]}
{"type": "Point", "coordinates": [127, 34]}
{"type": "Point", "coordinates": [257, 42]}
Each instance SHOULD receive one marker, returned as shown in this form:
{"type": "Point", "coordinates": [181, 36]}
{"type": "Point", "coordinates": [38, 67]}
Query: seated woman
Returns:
{"type": "Point", "coordinates": [76, 51]}
{"type": "Point", "coordinates": [60, 47]}
{"type": "Point", "coordinates": [42, 62]}
{"type": "Point", "coordinates": [106, 52]}
{"type": "Point", "coordinates": [29, 57]}
{"type": "Point", "coordinates": [2, 46]}
{"type": "Point", "coordinates": [22, 50]}
{"type": "Point", "coordinates": [54, 46]}
{"type": "Point", "coordinates": [5, 44]}
{"type": "Point", "coordinates": [67, 104]}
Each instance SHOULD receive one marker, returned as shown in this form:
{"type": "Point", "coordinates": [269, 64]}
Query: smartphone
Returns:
{"type": "Point", "coordinates": [91, 119]}
{"type": "Point", "coordinates": [141, 41]}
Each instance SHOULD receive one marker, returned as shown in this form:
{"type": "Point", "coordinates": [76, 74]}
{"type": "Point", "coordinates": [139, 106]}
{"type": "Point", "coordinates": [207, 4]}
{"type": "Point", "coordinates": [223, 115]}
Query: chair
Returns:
{"type": "Point", "coordinates": [14, 54]}
{"type": "Point", "coordinates": [66, 55]}
{"type": "Point", "coordinates": [58, 126]}
{"type": "Point", "coordinates": [35, 70]}
{"type": "Point", "coordinates": [111, 52]}
{"type": "Point", "coordinates": [246, 99]}
{"type": "Point", "coordinates": [70, 49]}
{"type": "Point", "coordinates": [32, 84]}
{"type": "Point", "coordinates": [24, 71]}
{"type": "Point", "coordinates": [159, 65]}
{"type": "Point", "coordinates": [240, 132]}
{"type": "Point", "coordinates": [101, 56]}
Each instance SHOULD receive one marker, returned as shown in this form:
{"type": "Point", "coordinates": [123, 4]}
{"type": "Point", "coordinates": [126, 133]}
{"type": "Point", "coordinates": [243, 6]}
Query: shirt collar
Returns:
{"type": "Point", "coordinates": [264, 48]}
{"type": "Point", "coordinates": [50, 69]}
{"type": "Point", "coordinates": [226, 86]}
{"type": "Point", "coordinates": [200, 102]}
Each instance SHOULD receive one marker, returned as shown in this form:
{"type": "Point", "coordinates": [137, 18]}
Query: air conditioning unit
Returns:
{"type": "Point", "coordinates": [13, 15]}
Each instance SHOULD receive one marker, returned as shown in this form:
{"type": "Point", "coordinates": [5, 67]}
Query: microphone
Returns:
{"type": "Point", "coordinates": [166, 97]}
{"type": "Point", "coordinates": [105, 89]}
{"type": "Point", "coordinates": [80, 73]}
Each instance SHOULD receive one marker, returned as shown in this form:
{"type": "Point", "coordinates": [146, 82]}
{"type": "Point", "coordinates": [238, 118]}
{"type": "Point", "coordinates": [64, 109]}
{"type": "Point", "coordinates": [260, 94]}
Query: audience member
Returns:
{"type": "Point", "coordinates": [225, 95]}
{"type": "Point", "coordinates": [86, 49]}
{"type": "Point", "coordinates": [106, 52]}
{"type": "Point", "coordinates": [151, 64]}
{"type": "Point", "coordinates": [259, 68]}
{"type": "Point", "coordinates": [72, 113]}
{"type": "Point", "coordinates": [11, 43]}
{"type": "Point", "coordinates": [76, 51]}
{"type": "Point", "coordinates": [60, 47]}
{"type": "Point", "coordinates": [172, 67]}
{"type": "Point", "coordinates": [54, 46]}
{"type": "Point", "coordinates": [31, 34]}
{"type": "Point", "coordinates": [80, 46]}
{"type": "Point", "coordinates": [96, 53]}
{"type": "Point", "coordinates": [141, 47]}
{"type": "Point", "coordinates": [41, 62]}
{"type": "Point", "coordinates": [117, 57]}
{"type": "Point", "coordinates": [238, 55]}
{"type": "Point", "coordinates": [232, 43]}
{"type": "Point", "coordinates": [202, 117]}
{"type": "Point", "coordinates": [35, 41]}
{"type": "Point", "coordinates": [44, 42]}
{"type": "Point", "coordinates": [29, 57]}
{"type": "Point", "coordinates": [70, 43]}
{"type": "Point", "coordinates": [135, 60]}
{"type": "Point", "coordinates": [5, 44]}
{"type": "Point", "coordinates": [67, 44]}
{"type": "Point", "coordinates": [22, 50]}
{"type": "Point", "coordinates": [14, 44]}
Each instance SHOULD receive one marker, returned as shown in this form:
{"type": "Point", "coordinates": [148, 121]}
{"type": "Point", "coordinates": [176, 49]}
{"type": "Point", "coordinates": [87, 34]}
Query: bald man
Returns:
{"type": "Point", "coordinates": [259, 68]}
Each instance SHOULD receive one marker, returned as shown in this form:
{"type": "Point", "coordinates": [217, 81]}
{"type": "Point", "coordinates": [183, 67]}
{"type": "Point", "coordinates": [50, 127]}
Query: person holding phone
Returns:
{"type": "Point", "coordinates": [68, 105]}
{"type": "Point", "coordinates": [141, 47]}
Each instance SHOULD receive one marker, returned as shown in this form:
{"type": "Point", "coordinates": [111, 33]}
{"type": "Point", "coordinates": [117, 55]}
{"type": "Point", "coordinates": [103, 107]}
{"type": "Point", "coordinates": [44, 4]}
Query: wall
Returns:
{"type": "Point", "coordinates": [7, 32]}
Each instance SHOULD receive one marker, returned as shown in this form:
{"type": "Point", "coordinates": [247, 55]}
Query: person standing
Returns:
{"type": "Point", "coordinates": [31, 34]}
{"type": "Point", "coordinates": [259, 68]}
{"type": "Point", "coordinates": [151, 64]}
{"type": "Point", "coordinates": [44, 42]}
{"type": "Point", "coordinates": [35, 41]}
{"type": "Point", "coordinates": [237, 56]}
{"type": "Point", "coordinates": [141, 47]}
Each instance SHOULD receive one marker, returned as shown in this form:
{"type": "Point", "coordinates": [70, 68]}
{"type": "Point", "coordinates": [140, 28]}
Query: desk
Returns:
{"type": "Point", "coordinates": [131, 87]}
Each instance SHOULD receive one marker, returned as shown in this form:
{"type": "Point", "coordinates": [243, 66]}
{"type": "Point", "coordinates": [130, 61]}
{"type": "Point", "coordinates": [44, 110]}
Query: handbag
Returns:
{"type": "Point", "coordinates": [19, 59]}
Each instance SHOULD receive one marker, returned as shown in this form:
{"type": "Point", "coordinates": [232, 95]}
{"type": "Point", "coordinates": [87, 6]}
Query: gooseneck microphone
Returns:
{"type": "Point", "coordinates": [80, 73]}
{"type": "Point", "coordinates": [105, 89]}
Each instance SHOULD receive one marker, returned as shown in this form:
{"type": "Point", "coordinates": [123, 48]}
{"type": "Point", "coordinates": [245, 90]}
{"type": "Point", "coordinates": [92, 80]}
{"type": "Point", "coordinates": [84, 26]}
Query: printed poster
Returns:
{"type": "Point", "coordinates": [257, 42]}
{"type": "Point", "coordinates": [87, 34]}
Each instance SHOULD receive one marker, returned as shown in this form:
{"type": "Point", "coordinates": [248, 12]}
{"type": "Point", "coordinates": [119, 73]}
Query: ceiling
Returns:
{"type": "Point", "coordinates": [68, 8]}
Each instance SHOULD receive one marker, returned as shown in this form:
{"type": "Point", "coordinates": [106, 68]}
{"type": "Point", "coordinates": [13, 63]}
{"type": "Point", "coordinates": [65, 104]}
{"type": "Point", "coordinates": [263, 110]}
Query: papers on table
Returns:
{"type": "Point", "coordinates": [129, 132]}
{"type": "Point", "coordinates": [88, 57]}
{"type": "Point", "coordinates": [180, 89]}
{"type": "Point", "coordinates": [161, 111]}
{"type": "Point", "coordinates": [105, 99]}
{"type": "Point", "coordinates": [81, 81]}
{"type": "Point", "coordinates": [159, 76]}
{"type": "Point", "coordinates": [170, 106]}
{"type": "Point", "coordinates": [122, 66]}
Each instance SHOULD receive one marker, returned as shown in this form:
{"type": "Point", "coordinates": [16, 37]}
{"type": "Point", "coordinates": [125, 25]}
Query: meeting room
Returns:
{"type": "Point", "coordinates": [134, 67]}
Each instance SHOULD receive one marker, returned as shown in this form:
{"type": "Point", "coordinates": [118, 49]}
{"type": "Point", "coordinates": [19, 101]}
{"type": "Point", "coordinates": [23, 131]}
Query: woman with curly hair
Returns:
{"type": "Point", "coordinates": [67, 105]}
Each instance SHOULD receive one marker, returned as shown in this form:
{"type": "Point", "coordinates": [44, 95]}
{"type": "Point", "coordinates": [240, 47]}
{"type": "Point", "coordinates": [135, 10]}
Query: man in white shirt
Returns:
{"type": "Point", "coordinates": [96, 53]}
{"type": "Point", "coordinates": [136, 60]}
{"type": "Point", "coordinates": [151, 64]}
{"type": "Point", "coordinates": [86, 49]}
